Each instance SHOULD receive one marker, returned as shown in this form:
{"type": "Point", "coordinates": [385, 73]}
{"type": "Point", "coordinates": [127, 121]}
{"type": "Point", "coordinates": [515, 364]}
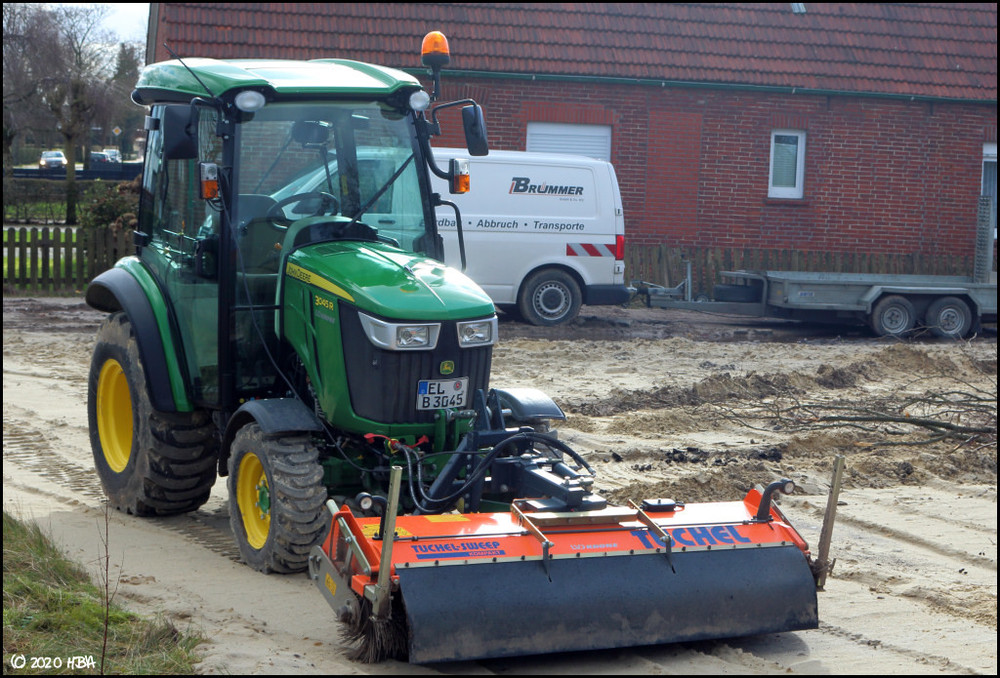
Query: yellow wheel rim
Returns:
{"type": "Point", "coordinates": [253, 498]}
{"type": "Point", "coordinates": [114, 415]}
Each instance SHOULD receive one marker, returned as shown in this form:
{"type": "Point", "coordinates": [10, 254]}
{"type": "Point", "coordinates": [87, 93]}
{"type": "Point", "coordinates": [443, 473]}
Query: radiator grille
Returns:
{"type": "Point", "coordinates": [383, 384]}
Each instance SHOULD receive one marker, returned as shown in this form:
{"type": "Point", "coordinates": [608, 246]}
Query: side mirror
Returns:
{"type": "Point", "coordinates": [475, 130]}
{"type": "Point", "coordinates": [180, 133]}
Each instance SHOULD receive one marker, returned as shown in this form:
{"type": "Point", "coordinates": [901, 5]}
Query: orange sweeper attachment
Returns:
{"type": "Point", "coordinates": [560, 572]}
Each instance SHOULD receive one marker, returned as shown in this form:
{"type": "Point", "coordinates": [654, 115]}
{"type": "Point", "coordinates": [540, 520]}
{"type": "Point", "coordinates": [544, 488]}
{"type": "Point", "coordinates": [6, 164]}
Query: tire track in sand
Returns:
{"type": "Point", "coordinates": [31, 450]}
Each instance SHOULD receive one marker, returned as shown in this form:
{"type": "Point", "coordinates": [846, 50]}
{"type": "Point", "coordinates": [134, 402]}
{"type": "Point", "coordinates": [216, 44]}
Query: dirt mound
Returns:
{"type": "Point", "coordinates": [726, 483]}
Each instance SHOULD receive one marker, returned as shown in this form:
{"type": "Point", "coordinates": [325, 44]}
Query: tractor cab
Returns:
{"type": "Point", "coordinates": [249, 162]}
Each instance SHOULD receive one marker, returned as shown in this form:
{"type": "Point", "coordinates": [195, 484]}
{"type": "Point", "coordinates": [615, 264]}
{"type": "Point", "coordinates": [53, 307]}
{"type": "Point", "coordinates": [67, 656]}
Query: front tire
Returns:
{"type": "Point", "coordinates": [550, 297]}
{"type": "Point", "coordinates": [149, 462]}
{"type": "Point", "coordinates": [276, 499]}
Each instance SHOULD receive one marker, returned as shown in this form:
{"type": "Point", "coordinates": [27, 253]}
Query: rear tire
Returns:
{"type": "Point", "coordinates": [948, 318]}
{"type": "Point", "coordinates": [893, 316]}
{"type": "Point", "coordinates": [149, 462]}
{"type": "Point", "coordinates": [276, 499]}
{"type": "Point", "coordinates": [550, 297]}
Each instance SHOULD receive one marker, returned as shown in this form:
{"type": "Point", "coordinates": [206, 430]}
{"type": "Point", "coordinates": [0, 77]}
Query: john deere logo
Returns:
{"type": "Point", "coordinates": [447, 367]}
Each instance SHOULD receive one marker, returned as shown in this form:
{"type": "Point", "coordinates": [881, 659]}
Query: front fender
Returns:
{"type": "Point", "coordinates": [275, 416]}
{"type": "Point", "coordinates": [130, 287]}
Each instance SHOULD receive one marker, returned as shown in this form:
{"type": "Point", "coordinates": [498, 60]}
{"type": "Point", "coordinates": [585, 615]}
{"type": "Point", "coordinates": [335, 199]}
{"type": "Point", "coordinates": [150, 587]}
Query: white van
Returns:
{"type": "Point", "coordinates": [543, 233]}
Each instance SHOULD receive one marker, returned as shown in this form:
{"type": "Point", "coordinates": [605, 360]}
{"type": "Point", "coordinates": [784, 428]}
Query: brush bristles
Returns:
{"type": "Point", "coordinates": [374, 640]}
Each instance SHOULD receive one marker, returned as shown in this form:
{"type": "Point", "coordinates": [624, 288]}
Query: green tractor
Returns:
{"type": "Point", "coordinates": [287, 321]}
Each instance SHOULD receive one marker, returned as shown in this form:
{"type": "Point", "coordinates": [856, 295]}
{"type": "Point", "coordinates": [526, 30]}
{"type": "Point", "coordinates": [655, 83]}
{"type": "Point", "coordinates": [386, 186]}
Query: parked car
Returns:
{"type": "Point", "coordinates": [52, 160]}
{"type": "Point", "coordinates": [99, 158]}
{"type": "Point", "coordinates": [113, 154]}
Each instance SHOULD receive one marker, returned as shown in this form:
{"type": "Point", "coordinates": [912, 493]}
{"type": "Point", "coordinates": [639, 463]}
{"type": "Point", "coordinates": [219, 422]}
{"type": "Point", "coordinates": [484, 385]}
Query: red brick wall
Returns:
{"type": "Point", "coordinates": [882, 176]}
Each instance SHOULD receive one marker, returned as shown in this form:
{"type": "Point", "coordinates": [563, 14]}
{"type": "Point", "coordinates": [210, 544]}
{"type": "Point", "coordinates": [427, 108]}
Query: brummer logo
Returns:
{"type": "Point", "coordinates": [523, 185]}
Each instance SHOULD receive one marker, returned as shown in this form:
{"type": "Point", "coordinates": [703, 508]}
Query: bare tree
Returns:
{"type": "Point", "coordinates": [29, 33]}
{"type": "Point", "coordinates": [84, 59]}
{"type": "Point", "coordinates": [125, 114]}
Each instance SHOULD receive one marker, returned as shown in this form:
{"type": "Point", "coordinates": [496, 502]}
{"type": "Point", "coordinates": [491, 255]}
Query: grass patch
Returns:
{"type": "Point", "coordinates": [33, 234]}
{"type": "Point", "coordinates": [52, 612]}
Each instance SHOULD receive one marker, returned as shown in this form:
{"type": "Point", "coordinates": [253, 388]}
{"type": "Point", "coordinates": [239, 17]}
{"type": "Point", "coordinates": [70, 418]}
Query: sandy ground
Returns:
{"type": "Point", "coordinates": [662, 404]}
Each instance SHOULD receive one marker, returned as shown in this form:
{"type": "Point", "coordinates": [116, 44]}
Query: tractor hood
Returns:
{"type": "Point", "coordinates": [388, 282]}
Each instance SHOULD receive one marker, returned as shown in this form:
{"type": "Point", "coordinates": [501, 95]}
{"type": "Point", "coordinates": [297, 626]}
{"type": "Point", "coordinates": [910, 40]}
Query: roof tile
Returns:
{"type": "Point", "coordinates": [924, 50]}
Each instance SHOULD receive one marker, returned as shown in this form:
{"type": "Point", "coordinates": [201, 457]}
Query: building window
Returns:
{"type": "Point", "coordinates": [990, 170]}
{"type": "Point", "coordinates": [788, 160]}
{"type": "Point", "coordinates": [990, 178]}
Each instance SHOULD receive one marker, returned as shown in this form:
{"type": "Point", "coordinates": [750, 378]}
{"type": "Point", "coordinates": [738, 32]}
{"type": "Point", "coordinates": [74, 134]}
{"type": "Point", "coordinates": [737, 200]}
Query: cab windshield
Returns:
{"type": "Point", "coordinates": [353, 160]}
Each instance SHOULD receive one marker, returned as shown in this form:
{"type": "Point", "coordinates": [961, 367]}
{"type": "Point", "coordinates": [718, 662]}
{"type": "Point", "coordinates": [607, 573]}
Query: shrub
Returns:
{"type": "Point", "coordinates": [111, 204]}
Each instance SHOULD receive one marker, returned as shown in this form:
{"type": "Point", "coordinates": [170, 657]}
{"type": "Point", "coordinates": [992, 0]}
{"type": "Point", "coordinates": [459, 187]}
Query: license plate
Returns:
{"type": "Point", "coordinates": [434, 394]}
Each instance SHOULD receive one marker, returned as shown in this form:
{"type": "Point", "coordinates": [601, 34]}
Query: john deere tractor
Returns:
{"type": "Point", "coordinates": [287, 320]}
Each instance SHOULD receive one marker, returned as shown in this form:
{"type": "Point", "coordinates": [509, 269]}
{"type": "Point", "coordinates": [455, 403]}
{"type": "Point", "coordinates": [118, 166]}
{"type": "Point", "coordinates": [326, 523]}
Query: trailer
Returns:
{"type": "Point", "coordinates": [891, 304]}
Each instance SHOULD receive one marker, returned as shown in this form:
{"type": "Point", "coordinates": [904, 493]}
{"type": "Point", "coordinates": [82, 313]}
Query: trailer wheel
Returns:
{"type": "Point", "coordinates": [949, 318]}
{"type": "Point", "coordinates": [550, 297]}
{"type": "Point", "coordinates": [276, 499]}
{"type": "Point", "coordinates": [149, 462]}
{"type": "Point", "coordinates": [893, 316]}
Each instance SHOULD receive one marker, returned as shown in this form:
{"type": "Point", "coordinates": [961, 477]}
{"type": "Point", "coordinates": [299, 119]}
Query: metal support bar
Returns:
{"type": "Point", "coordinates": [667, 540]}
{"type": "Point", "coordinates": [355, 548]}
{"type": "Point", "coordinates": [823, 566]}
{"type": "Point", "coordinates": [537, 534]}
{"type": "Point", "coordinates": [383, 587]}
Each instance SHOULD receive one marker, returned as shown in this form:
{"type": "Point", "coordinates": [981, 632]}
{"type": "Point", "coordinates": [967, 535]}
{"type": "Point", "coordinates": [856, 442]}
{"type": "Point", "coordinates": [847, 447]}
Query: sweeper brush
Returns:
{"type": "Point", "coordinates": [465, 586]}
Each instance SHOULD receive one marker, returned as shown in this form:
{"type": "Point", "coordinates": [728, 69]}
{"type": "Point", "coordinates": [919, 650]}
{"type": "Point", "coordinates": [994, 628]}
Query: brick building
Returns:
{"type": "Point", "coordinates": [820, 136]}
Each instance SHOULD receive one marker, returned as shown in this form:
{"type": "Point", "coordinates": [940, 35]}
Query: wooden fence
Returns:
{"type": "Point", "coordinates": [64, 260]}
{"type": "Point", "coordinates": [59, 261]}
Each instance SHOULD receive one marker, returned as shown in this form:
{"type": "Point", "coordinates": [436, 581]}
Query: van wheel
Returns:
{"type": "Point", "coordinates": [949, 318]}
{"type": "Point", "coordinates": [550, 297]}
{"type": "Point", "coordinates": [893, 316]}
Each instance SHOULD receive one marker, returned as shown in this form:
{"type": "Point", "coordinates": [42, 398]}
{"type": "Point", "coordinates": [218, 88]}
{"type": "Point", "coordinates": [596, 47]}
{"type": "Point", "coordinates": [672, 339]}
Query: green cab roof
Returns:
{"type": "Point", "coordinates": [174, 81]}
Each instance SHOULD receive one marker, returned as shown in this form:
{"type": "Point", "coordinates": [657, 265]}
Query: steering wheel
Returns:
{"type": "Point", "coordinates": [276, 212]}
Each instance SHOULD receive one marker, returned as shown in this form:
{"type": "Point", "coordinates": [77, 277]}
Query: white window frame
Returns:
{"type": "Point", "coordinates": [796, 191]}
{"type": "Point", "coordinates": [990, 158]}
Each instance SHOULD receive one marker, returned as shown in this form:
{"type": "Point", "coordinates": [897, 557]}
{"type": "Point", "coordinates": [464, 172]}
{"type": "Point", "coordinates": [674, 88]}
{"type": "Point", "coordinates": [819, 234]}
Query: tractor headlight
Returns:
{"type": "Point", "coordinates": [401, 336]}
{"type": "Point", "coordinates": [477, 332]}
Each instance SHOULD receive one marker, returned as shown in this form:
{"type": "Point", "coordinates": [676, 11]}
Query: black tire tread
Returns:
{"type": "Point", "coordinates": [173, 461]}
{"type": "Point", "coordinates": [298, 499]}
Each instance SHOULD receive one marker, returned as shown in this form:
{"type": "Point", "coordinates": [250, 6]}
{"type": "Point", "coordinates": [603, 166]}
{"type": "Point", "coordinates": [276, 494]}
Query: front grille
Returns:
{"type": "Point", "coordinates": [383, 384]}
